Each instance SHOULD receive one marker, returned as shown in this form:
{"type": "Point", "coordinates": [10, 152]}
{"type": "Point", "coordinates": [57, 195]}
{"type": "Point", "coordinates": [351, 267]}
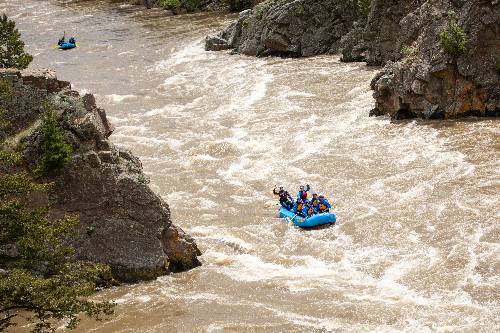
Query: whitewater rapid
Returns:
{"type": "Point", "coordinates": [417, 241]}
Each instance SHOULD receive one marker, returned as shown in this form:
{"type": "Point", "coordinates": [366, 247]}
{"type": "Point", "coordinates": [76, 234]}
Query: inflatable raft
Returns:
{"type": "Point", "coordinates": [67, 45]}
{"type": "Point", "coordinates": [309, 222]}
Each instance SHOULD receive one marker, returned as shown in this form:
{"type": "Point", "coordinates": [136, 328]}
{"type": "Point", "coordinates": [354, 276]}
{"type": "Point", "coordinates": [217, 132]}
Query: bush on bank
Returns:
{"type": "Point", "coordinates": [363, 7]}
{"type": "Point", "coordinates": [189, 5]}
{"type": "Point", "coordinates": [453, 39]}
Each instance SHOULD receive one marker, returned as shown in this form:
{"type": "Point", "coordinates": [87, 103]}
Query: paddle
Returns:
{"type": "Point", "coordinates": [291, 220]}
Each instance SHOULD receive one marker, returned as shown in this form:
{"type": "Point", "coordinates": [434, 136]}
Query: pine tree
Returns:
{"type": "Point", "coordinates": [39, 278]}
{"type": "Point", "coordinates": [12, 53]}
{"type": "Point", "coordinates": [453, 39]}
{"type": "Point", "coordinates": [56, 152]}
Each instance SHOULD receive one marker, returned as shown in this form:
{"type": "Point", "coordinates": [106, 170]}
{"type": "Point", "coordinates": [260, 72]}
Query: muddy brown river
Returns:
{"type": "Point", "coordinates": [416, 247]}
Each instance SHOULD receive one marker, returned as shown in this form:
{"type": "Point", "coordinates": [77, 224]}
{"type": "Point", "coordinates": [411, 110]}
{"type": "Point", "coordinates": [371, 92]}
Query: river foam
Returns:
{"type": "Point", "coordinates": [416, 244]}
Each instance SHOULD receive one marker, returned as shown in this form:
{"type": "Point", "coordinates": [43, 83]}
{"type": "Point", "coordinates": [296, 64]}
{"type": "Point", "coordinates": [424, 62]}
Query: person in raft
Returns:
{"type": "Point", "coordinates": [286, 199]}
{"type": "Point", "coordinates": [308, 210]}
{"type": "Point", "coordinates": [72, 40]}
{"type": "Point", "coordinates": [302, 194]}
{"type": "Point", "coordinates": [323, 205]}
{"type": "Point", "coordinates": [62, 40]}
{"type": "Point", "coordinates": [315, 201]}
{"type": "Point", "coordinates": [298, 208]}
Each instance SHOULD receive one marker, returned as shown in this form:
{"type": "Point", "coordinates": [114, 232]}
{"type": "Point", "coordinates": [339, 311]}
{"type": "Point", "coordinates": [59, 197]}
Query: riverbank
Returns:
{"type": "Point", "coordinates": [179, 7]}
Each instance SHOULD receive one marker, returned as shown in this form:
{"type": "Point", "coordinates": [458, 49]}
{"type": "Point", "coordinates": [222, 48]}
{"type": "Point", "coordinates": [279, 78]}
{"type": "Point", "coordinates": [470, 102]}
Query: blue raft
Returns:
{"type": "Point", "coordinates": [67, 45]}
{"type": "Point", "coordinates": [313, 221]}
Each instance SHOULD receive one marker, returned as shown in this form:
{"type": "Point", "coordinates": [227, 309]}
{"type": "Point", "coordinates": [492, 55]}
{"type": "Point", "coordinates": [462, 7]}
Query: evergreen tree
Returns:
{"type": "Point", "coordinates": [12, 53]}
{"type": "Point", "coordinates": [56, 152]}
{"type": "Point", "coordinates": [39, 278]}
{"type": "Point", "coordinates": [453, 39]}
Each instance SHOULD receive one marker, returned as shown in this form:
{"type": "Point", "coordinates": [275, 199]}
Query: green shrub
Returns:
{"type": "Point", "coordinates": [363, 7]}
{"type": "Point", "coordinates": [298, 10]}
{"type": "Point", "coordinates": [5, 91]}
{"type": "Point", "coordinates": [453, 39]}
{"type": "Point", "coordinates": [262, 8]}
{"type": "Point", "coordinates": [12, 53]}
{"type": "Point", "coordinates": [245, 23]}
{"type": "Point", "coordinates": [142, 178]}
{"type": "Point", "coordinates": [408, 51]}
{"type": "Point", "coordinates": [170, 4]}
{"type": "Point", "coordinates": [55, 151]}
{"type": "Point", "coordinates": [189, 5]}
{"type": "Point", "coordinates": [5, 94]}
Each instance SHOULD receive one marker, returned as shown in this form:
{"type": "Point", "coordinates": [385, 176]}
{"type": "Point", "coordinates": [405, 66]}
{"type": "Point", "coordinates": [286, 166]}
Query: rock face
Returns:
{"type": "Point", "coordinates": [419, 78]}
{"type": "Point", "coordinates": [379, 38]}
{"type": "Point", "coordinates": [122, 222]}
{"type": "Point", "coordinates": [426, 82]}
{"type": "Point", "coordinates": [288, 28]}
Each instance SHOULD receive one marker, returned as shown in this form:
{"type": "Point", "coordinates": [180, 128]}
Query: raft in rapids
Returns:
{"type": "Point", "coordinates": [67, 45]}
{"type": "Point", "coordinates": [309, 222]}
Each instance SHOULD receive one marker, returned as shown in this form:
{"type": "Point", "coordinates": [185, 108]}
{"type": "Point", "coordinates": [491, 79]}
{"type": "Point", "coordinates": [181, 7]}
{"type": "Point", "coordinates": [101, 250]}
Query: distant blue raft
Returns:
{"type": "Point", "coordinates": [67, 46]}
{"type": "Point", "coordinates": [313, 221]}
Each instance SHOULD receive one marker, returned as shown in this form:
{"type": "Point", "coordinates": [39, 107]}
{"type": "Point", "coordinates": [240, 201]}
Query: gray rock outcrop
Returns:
{"type": "Point", "coordinates": [288, 28]}
{"type": "Point", "coordinates": [424, 81]}
{"type": "Point", "coordinates": [123, 223]}
{"type": "Point", "coordinates": [379, 37]}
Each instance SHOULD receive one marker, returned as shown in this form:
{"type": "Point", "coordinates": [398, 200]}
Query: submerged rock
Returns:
{"type": "Point", "coordinates": [123, 223]}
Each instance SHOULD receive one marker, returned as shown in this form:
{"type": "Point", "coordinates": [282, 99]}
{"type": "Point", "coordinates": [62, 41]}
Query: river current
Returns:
{"type": "Point", "coordinates": [416, 247]}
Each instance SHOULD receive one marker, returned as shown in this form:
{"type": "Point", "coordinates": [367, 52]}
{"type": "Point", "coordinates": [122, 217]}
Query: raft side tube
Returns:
{"type": "Point", "coordinates": [67, 46]}
{"type": "Point", "coordinates": [309, 222]}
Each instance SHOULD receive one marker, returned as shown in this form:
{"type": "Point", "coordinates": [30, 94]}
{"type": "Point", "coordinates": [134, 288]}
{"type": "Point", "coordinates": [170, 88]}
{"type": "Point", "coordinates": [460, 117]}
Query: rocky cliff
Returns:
{"type": "Point", "coordinates": [288, 28]}
{"type": "Point", "coordinates": [122, 222]}
{"type": "Point", "coordinates": [419, 78]}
